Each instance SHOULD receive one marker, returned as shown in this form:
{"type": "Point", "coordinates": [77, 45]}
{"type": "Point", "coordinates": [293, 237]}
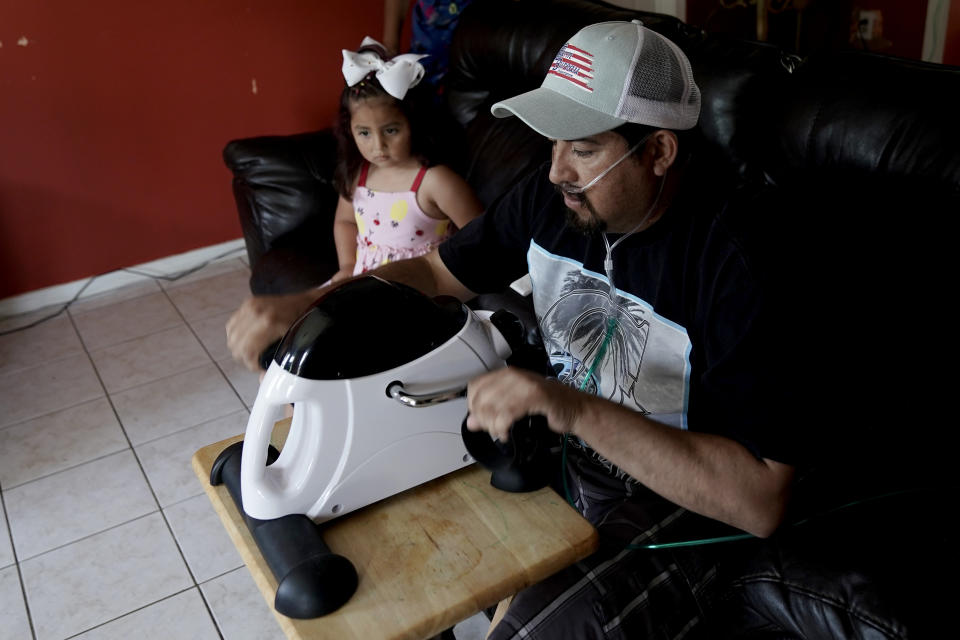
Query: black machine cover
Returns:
{"type": "Point", "coordinates": [366, 326]}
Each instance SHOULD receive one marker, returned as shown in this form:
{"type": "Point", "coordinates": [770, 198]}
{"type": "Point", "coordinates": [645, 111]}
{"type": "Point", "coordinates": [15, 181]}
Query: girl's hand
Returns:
{"type": "Point", "coordinates": [342, 274]}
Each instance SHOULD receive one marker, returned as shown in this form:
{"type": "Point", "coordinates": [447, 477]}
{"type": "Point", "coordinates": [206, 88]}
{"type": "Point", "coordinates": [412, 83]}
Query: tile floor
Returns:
{"type": "Point", "coordinates": [105, 532]}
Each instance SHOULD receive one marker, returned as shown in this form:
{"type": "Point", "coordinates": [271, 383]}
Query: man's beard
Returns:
{"type": "Point", "coordinates": [591, 225]}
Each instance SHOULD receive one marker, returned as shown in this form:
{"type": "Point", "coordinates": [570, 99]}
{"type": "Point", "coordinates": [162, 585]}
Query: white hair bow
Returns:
{"type": "Point", "coordinates": [397, 75]}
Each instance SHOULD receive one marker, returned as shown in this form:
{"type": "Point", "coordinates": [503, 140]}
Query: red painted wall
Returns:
{"type": "Point", "coordinates": [951, 47]}
{"type": "Point", "coordinates": [825, 24]}
{"type": "Point", "coordinates": [114, 115]}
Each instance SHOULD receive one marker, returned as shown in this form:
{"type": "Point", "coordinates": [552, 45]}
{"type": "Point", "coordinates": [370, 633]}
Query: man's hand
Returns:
{"type": "Point", "coordinates": [261, 320]}
{"type": "Point", "coordinates": [706, 473]}
{"type": "Point", "coordinates": [497, 399]}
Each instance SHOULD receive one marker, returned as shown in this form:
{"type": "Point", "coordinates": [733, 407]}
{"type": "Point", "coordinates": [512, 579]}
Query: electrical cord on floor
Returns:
{"type": "Point", "coordinates": [167, 277]}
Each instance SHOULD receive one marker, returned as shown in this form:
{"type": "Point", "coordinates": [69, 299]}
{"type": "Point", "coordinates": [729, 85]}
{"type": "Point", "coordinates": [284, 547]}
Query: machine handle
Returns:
{"type": "Point", "coordinates": [396, 391]}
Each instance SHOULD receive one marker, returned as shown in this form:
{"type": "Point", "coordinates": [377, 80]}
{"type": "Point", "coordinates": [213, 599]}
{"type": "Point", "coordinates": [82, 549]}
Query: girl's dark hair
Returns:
{"type": "Point", "coordinates": [417, 106]}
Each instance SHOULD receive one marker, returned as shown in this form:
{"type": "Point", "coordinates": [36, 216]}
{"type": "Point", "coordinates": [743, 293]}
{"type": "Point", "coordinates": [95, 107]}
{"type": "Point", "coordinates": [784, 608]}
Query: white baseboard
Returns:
{"type": "Point", "coordinates": [62, 293]}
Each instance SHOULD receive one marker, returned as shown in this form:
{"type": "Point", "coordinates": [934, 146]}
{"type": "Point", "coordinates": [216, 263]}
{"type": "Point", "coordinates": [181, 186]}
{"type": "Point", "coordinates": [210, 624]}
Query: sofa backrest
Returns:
{"type": "Point", "coordinates": [864, 155]}
{"type": "Point", "coordinates": [855, 160]}
{"type": "Point", "coordinates": [859, 113]}
{"type": "Point", "coordinates": [774, 117]}
{"type": "Point", "coordinates": [503, 48]}
{"type": "Point", "coordinates": [857, 147]}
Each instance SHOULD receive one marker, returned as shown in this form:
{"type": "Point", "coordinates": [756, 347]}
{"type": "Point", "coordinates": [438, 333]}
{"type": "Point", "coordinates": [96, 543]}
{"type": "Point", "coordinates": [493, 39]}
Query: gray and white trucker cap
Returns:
{"type": "Point", "coordinates": [606, 75]}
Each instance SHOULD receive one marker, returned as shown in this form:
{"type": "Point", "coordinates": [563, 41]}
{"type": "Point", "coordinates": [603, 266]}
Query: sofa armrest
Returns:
{"type": "Point", "coordinates": [283, 186]}
{"type": "Point", "coordinates": [871, 570]}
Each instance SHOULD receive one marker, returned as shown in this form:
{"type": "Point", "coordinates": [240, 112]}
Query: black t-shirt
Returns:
{"type": "Point", "coordinates": [684, 338]}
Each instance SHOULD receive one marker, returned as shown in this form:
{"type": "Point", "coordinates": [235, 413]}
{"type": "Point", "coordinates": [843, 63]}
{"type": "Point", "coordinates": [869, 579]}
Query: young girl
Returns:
{"type": "Point", "coordinates": [394, 203]}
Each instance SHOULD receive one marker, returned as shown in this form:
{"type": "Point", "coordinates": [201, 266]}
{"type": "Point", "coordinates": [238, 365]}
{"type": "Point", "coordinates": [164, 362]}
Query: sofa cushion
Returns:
{"type": "Point", "coordinates": [283, 187]}
{"type": "Point", "coordinates": [502, 48]}
{"type": "Point", "coordinates": [874, 570]}
{"type": "Point", "coordinates": [857, 113]}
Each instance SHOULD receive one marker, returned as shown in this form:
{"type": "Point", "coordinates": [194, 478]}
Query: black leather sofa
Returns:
{"type": "Point", "coordinates": [849, 163]}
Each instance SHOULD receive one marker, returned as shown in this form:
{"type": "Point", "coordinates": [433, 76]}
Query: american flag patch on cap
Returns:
{"type": "Point", "coordinates": [575, 65]}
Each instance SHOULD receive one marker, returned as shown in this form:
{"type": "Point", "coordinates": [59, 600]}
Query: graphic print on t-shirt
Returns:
{"type": "Point", "coordinates": [645, 363]}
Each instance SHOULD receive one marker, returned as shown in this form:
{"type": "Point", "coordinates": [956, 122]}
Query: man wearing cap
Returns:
{"type": "Point", "coordinates": [653, 318]}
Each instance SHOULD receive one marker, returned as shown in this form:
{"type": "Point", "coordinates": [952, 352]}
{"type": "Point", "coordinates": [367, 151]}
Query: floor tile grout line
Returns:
{"type": "Point", "coordinates": [212, 361]}
{"type": "Point", "coordinates": [242, 409]}
{"type": "Point", "coordinates": [65, 309]}
{"type": "Point", "coordinates": [203, 595]}
{"type": "Point", "coordinates": [206, 604]}
{"type": "Point", "coordinates": [135, 338]}
{"type": "Point", "coordinates": [86, 352]}
{"type": "Point", "coordinates": [82, 312]}
{"type": "Point", "coordinates": [194, 582]}
{"type": "Point", "coordinates": [91, 535]}
{"type": "Point", "coordinates": [192, 426]}
{"type": "Point", "coordinates": [141, 608]}
{"type": "Point", "coordinates": [216, 623]}
{"type": "Point", "coordinates": [16, 563]}
{"type": "Point", "coordinates": [210, 355]}
{"type": "Point", "coordinates": [131, 448]}
{"type": "Point", "coordinates": [185, 323]}
{"type": "Point", "coordinates": [10, 530]}
{"type": "Point", "coordinates": [242, 567]}
{"type": "Point", "coordinates": [139, 462]}
{"type": "Point", "coordinates": [233, 387]}
{"type": "Point", "coordinates": [65, 469]}
{"type": "Point", "coordinates": [193, 577]}
{"type": "Point", "coordinates": [157, 279]}
{"type": "Point", "coordinates": [180, 501]}
{"type": "Point", "coordinates": [154, 381]}
{"type": "Point", "coordinates": [213, 618]}
{"type": "Point", "coordinates": [42, 415]}
{"type": "Point", "coordinates": [131, 612]}
{"type": "Point", "coordinates": [153, 278]}
{"type": "Point", "coordinates": [64, 356]}
{"type": "Point", "coordinates": [176, 284]}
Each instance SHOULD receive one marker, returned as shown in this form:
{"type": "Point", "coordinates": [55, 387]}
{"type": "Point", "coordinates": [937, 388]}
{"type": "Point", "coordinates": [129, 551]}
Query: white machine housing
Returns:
{"type": "Point", "coordinates": [350, 442]}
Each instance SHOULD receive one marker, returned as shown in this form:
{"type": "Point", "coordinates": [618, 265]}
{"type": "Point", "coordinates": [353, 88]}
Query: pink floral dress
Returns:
{"type": "Point", "coordinates": [392, 226]}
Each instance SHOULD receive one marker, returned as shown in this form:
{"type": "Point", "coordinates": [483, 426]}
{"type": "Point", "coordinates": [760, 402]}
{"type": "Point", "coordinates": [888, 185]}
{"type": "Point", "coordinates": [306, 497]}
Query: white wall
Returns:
{"type": "Point", "coordinates": [677, 8]}
{"type": "Point", "coordinates": [935, 33]}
